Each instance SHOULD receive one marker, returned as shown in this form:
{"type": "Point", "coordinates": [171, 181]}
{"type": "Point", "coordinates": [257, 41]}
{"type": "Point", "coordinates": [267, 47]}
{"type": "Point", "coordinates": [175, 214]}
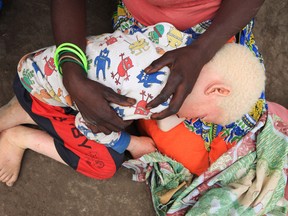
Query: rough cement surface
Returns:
{"type": "Point", "coordinates": [47, 188]}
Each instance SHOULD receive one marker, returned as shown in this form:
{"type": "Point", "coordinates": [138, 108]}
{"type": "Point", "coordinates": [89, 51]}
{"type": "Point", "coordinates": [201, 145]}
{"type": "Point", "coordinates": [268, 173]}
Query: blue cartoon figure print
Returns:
{"type": "Point", "coordinates": [149, 79]}
{"type": "Point", "coordinates": [101, 61]}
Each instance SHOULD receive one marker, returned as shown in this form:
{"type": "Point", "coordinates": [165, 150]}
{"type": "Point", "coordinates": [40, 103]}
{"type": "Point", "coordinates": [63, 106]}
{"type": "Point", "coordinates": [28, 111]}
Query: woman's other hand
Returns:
{"type": "Point", "coordinates": [185, 65]}
{"type": "Point", "coordinates": [93, 100]}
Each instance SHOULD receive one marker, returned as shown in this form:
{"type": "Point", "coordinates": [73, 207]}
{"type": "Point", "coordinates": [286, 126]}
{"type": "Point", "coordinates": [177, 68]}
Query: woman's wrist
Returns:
{"type": "Point", "coordinates": [202, 48]}
{"type": "Point", "coordinates": [229, 20]}
{"type": "Point", "coordinates": [73, 77]}
{"type": "Point", "coordinates": [208, 44]}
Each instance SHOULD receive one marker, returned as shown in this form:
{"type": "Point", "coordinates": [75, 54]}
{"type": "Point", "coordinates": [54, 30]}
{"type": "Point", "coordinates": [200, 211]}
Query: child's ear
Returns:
{"type": "Point", "coordinates": [218, 89]}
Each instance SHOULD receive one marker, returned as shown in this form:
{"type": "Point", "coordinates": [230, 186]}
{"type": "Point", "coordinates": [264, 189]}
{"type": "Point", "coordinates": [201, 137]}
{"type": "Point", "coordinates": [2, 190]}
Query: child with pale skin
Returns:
{"type": "Point", "coordinates": [227, 88]}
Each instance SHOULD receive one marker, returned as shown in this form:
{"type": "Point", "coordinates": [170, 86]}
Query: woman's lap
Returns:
{"type": "Point", "coordinates": [91, 158]}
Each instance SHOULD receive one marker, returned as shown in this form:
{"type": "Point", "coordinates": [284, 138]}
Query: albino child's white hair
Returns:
{"type": "Point", "coordinates": [242, 71]}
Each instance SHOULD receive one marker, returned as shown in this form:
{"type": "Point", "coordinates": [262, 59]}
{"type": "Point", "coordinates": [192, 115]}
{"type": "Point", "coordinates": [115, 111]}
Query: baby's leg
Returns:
{"type": "Point", "coordinates": [12, 114]}
{"type": "Point", "coordinates": [13, 143]}
{"type": "Point", "coordinates": [139, 146]}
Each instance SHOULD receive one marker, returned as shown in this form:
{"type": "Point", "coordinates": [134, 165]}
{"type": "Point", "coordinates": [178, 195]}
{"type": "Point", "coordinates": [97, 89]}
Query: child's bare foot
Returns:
{"type": "Point", "coordinates": [10, 156]}
{"type": "Point", "coordinates": [139, 146]}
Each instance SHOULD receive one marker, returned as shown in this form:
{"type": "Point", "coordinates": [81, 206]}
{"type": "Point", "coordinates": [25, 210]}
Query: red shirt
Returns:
{"type": "Point", "coordinates": [181, 13]}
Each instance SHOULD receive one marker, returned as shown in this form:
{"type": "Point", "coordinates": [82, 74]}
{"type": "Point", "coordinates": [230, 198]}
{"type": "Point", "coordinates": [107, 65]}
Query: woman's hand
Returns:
{"type": "Point", "coordinates": [185, 65]}
{"type": "Point", "coordinates": [92, 100]}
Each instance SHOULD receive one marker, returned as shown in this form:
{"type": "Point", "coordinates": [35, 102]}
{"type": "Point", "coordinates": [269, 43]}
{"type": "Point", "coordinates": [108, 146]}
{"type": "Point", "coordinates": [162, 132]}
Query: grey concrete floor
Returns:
{"type": "Point", "coordinates": [46, 187]}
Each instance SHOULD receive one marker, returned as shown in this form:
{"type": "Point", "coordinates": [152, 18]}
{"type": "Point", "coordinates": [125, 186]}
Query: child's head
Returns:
{"type": "Point", "coordinates": [227, 87]}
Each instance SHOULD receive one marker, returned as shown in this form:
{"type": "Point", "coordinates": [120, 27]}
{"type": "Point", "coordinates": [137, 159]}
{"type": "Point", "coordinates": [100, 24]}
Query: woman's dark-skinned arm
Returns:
{"type": "Point", "coordinates": [91, 98]}
{"type": "Point", "coordinates": [186, 63]}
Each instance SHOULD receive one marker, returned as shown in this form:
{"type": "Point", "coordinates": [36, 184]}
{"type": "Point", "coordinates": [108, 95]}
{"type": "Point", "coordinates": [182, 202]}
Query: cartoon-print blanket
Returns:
{"type": "Point", "coordinates": [249, 179]}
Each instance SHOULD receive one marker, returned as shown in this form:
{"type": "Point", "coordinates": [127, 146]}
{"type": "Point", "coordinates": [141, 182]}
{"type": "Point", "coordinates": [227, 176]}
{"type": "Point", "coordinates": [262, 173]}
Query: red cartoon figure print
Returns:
{"type": "Point", "coordinates": [49, 67]}
{"type": "Point", "coordinates": [122, 70]}
{"type": "Point", "coordinates": [110, 40]}
{"type": "Point", "coordinates": [141, 105]}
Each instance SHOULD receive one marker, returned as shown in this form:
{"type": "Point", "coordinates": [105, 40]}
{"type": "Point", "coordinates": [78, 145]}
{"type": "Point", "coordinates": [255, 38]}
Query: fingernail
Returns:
{"type": "Point", "coordinates": [148, 106]}
{"type": "Point", "coordinates": [154, 118]}
{"type": "Point", "coordinates": [131, 101]}
{"type": "Point", "coordinates": [148, 69]}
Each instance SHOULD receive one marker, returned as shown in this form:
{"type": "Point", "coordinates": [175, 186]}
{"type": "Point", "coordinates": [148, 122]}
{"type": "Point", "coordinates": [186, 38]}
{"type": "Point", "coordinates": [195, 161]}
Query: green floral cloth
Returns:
{"type": "Point", "coordinates": [249, 179]}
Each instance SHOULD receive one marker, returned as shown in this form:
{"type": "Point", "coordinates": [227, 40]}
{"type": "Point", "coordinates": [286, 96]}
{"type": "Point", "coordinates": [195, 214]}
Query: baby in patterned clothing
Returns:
{"type": "Point", "coordinates": [227, 87]}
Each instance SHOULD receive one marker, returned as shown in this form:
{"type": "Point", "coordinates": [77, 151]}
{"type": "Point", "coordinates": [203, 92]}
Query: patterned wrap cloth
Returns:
{"type": "Point", "coordinates": [249, 179]}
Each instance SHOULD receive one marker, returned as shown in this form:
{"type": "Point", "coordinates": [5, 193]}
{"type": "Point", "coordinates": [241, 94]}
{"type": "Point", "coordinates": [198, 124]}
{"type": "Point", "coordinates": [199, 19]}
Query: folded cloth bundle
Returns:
{"type": "Point", "coordinates": [249, 179]}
